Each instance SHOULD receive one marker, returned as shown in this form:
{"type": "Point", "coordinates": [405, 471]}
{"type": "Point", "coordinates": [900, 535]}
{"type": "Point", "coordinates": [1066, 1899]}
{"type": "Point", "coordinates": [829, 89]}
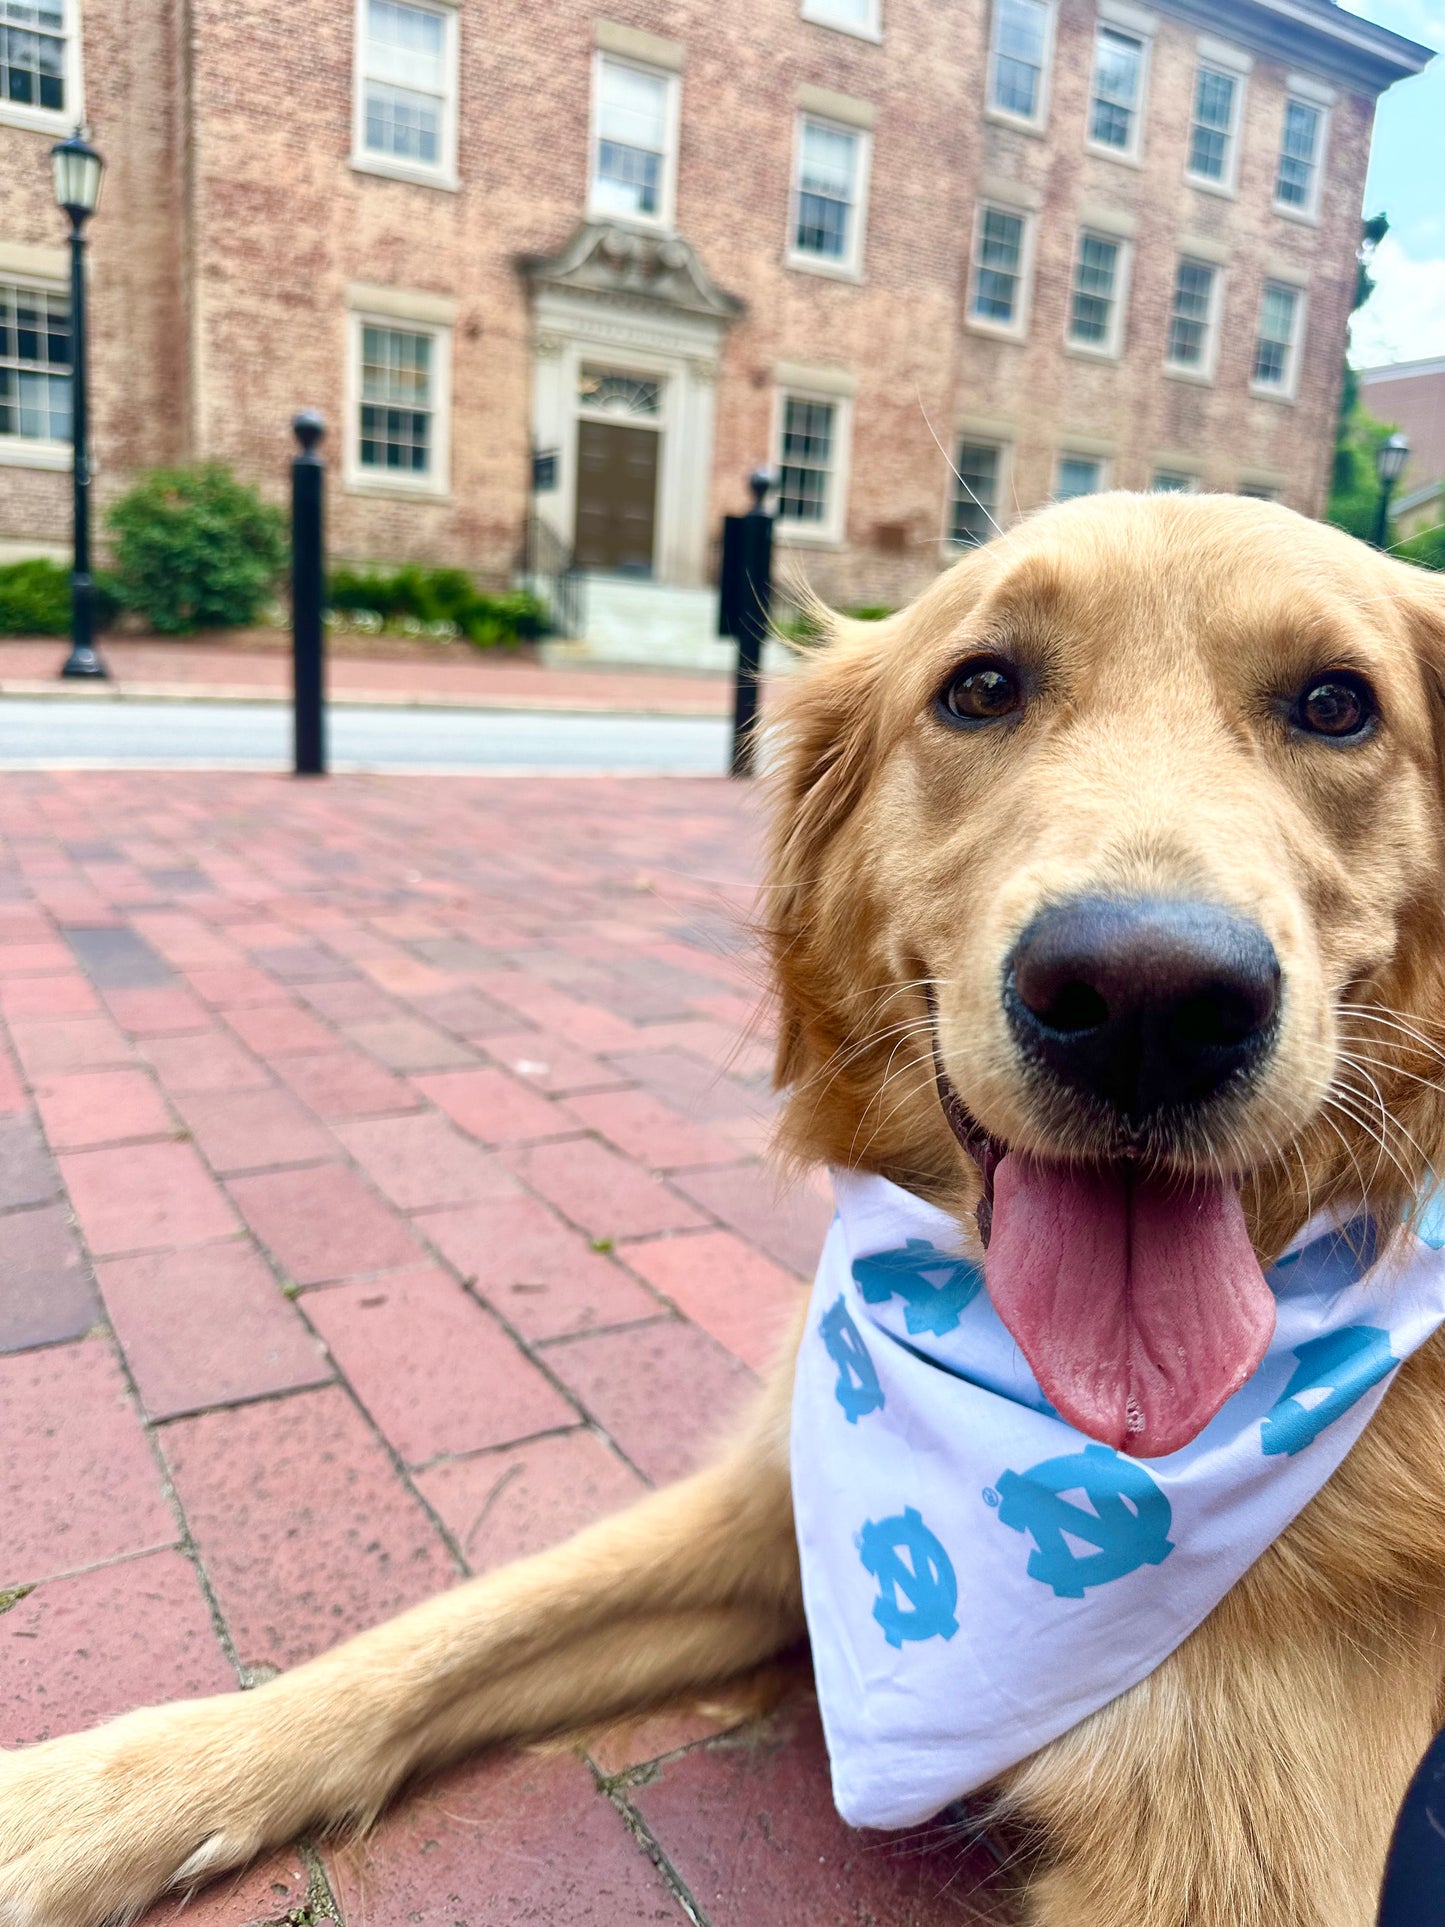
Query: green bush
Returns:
{"type": "Point", "coordinates": [35, 599]}
{"type": "Point", "coordinates": [196, 549]}
{"type": "Point", "coordinates": [439, 596]}
{"type": "Point", "coordinates": [1426, 548]}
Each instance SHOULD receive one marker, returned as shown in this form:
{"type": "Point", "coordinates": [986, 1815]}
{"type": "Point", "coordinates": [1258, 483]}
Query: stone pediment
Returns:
{"type": "Point", "coordinates": [608, 258]}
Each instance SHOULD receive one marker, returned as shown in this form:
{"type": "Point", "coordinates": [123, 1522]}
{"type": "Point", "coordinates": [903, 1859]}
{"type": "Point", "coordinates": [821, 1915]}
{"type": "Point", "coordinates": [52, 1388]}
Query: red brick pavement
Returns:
{"type": "Point", "coordinates": [380, 1202]}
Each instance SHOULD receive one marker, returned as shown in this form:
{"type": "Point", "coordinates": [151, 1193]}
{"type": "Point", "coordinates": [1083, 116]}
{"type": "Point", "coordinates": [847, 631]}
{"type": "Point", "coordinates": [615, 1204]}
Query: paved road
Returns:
{"type": "Point", "coordinates": [61, 733]}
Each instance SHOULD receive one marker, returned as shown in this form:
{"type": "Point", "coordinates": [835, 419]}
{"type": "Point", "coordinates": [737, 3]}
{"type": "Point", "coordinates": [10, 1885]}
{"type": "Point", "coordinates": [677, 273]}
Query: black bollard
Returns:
{"type": "Point", "coordinates": [745, 597]}
{"type": "Point", "coordinates": [308, 594]}
{"type": "Point", "coordinates": [1414, 1890]}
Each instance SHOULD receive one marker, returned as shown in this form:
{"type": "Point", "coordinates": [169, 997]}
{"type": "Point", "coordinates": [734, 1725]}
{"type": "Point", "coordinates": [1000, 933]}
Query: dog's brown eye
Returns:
{"type": "Point", "coordinates": [1335, 706]}
{"type": "Point", "coordinates": [981, 691]}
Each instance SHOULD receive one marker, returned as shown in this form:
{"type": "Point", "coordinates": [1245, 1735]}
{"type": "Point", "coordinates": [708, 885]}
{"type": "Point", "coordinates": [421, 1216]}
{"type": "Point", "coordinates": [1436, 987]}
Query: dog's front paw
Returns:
{"type": "Point", "coordinates": [96, 1825]}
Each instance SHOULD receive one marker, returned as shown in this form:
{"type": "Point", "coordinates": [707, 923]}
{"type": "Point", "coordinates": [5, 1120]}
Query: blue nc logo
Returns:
{"type": "Point", "coordinates": [1125, 1520]}
{"type": "Point", "coordinates": [917, 1590]}
{"type": "Point", "coordinates": [1330, 1374]}
{"type": "Point", "coordinates": [857, 1390]}
{"type": "Point", "coordinates": [1430, 1226]}
{"type": "Point", "coordinates": [936, 1289]}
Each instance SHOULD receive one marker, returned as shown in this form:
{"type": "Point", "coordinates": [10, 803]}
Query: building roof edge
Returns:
{"type": "Point", "coordinates": [1315, 33]}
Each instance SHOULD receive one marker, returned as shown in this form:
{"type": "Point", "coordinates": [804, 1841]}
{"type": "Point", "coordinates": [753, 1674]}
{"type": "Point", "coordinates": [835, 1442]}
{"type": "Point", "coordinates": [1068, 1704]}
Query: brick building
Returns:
{"type": "Point", "coordinates": [588, 268]}
{"type": "Point", "coordinates": [1410, 395]}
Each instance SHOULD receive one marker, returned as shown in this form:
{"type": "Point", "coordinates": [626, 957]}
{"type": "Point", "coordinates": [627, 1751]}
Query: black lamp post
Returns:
{"type": "Point", "coordinates": [78, 169]}
{"type": "Point", "coordinates": [1390, 466]}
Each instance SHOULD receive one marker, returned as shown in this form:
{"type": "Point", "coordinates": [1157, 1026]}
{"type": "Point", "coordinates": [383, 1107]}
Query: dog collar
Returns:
{"type": "Point", "coordinates": [979, 1576]}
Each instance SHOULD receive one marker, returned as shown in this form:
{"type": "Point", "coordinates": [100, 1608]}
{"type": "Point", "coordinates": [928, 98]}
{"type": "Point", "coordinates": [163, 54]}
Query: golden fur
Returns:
{"type": "Point", "coordinates": [1251, 1781]}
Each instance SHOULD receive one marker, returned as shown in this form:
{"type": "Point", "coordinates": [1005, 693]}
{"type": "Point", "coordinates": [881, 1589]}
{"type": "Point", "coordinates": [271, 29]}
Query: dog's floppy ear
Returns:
{"type": "Point", "coordinates": [1420, 595]}
{"type": "Point", "coordinates": [823, 734]}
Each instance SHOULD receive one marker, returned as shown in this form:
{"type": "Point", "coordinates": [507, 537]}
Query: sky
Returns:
{"type": "Point", "coordinates": [1405, 318]}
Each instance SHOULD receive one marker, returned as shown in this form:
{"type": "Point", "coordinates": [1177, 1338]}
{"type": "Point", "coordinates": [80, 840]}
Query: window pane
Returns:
{"type": "Point", "coordinates": [1169, 482]}
{"type": "Point", "coordinates": [632, 140]}
{"type": "Point", "coordinates": [1295, 184]}
{"type": "Point", "coordinates": [1278, 309]}
{"type": "Point", "coordinates": [1077, 476]}
{"type": "Point", "coordinates": [1118, 64]}
{"type": "Point", "coordinates": [34, 364]}
{"type": "Point", "coordinates": [404, 125]}
{"type": "Point", "coordinates": [632, 107]}
{"type": "Point", "coordinates": [32, 55]}
{"type": "Point", "coordinates": [406, 45]}
{"type": "Point", "coordinates": [975, 495]}
{"type": "Point", "coordinates": [827, 171]}
{"type": "Point", "coordinates": [1213, 118]}
{"type": "Point", "coordinates": [1020, 37]}
{"type": "Point", "coordinates": [395, 400]}
{"type": "Point", "coordinates": [847, 13]}
{"type": "Point", "coordinates": [1095, 273]}
{"type": "Point", "coordinates": [998, 266]}
{"type": "Point", "coordinates": [807, 453]}
{"type": "Point", "coordinates": [1189, 315]}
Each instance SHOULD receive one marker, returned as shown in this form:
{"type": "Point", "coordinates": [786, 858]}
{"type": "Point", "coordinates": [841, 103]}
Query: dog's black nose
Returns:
{"type": "Point", "coordinates": [1150, 1004]}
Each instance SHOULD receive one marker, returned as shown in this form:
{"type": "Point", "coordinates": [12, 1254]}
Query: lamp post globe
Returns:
{"type": "Point", "coordinates": [1390, 462]}
{"type": "Point", "coordinates": [79, 170]}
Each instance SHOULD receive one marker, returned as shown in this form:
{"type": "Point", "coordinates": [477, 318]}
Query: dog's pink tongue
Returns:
{"type": "Point", "coordinates": [1140, 1308]}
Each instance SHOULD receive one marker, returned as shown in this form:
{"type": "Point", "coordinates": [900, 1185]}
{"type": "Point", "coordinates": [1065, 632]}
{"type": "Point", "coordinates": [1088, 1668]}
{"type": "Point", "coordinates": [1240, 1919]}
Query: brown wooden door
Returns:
{"type": "Point", "coordinates": [616, 496]}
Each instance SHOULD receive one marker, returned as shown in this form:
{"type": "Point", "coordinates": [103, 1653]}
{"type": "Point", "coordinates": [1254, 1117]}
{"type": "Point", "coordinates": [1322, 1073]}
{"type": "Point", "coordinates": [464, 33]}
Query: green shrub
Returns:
{"type": "Point", "coordinates": [35, 599]}
{"type": "Point", "coordinates": [1426, 548]}
{"type": "Point", "coordinates": [431, 596]}
{"type": "Point", "coordinates": [196, 549]}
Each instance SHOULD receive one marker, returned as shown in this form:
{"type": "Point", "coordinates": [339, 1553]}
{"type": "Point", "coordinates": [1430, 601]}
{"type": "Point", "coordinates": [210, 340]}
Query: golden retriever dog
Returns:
{"type": "Point", "coordinates": [1209, 735]}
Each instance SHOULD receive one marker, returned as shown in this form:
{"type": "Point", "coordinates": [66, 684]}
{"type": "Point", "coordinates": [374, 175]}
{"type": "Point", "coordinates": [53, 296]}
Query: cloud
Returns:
{"type": "Point", "coordinates": [1404, 319]}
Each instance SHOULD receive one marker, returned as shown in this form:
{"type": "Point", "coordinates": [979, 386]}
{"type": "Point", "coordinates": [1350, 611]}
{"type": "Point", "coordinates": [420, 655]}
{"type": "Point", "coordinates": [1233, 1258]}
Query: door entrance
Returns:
{"type": "Point", "coordinates": [616, 496]}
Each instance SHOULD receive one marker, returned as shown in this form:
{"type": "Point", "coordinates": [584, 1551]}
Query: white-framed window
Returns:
{"type": "Point", "coordinates": [830, 185]}
{"type": "Point", "coordinates": [406, 91]}
{"type": "Point", "coordinates": [1301, 152]}
{"type": "Point", "coordinates": [978, 476]}
{"type": "Point", "coordinates": [1194, 319]}
{"type": "Point", "coordinates": [1259, 491]}
{"type": "Point", "coordinates": [860, 17]}
{"type": "Point", "coordinates": [1275, 368]}
{"type": "Point", "coordinates": [1096, 299]}
{"type": "Point", "coordinates": [34, 376]}
{"type": "Point", "coordinates": [1116, 99]}
{"type": "Point", "coordinates": [812, 448]}
{"type": "Point", "coordinates": [1214, 127]}
{"type": "Point", "coordinates": [1002, 269]}
{"type": "Point", "coordinates": [1172, 481]}
{"type": "Point", "coordinates": [634, 141]}
{"type": "Point", "coordinates": [400, 431]}
{"type": "Point", "coordinates": [1077, 475]}
{"type": "Point", "coordinates": [40, 65]}
{"type": "Point", "coordinates": [1020, 52]}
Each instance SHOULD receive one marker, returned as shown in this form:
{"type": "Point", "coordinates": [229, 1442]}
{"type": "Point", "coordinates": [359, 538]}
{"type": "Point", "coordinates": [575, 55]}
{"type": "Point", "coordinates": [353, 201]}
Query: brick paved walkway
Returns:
{"type": "Point", "coordinates": [381, 1201]}
{"type": "Point", "coordinates": [232, 670]}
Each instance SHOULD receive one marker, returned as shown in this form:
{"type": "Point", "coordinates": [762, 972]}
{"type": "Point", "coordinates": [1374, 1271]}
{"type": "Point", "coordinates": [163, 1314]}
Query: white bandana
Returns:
{"type": "Point", "coordinates": [978, 1575]}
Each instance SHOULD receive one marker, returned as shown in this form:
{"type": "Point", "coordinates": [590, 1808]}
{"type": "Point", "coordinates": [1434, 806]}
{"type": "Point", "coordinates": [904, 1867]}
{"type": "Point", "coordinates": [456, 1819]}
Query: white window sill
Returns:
{"type": "Point", "coordinates": [1263, 393]}
{"type": "Point", "coordinates": [1082, 351]}
{"type": "Point", "coordinates": [399, 171]}
{"type": "Point", "coordinates": [996, 330]}
{"type": "Point", "coordinates": [644, 223]}
{"type": "Point", "coordinates": [17, 452]}
{"type": "Point", "coordinates": [1125, 156]}
{"type": "Point", "coordinates": [360, 483]}
{"type": "Point", "coordinates": [1020, 124]}
{"type": "Point", "coordinates": [842, 26]}
{"type": "Point", "coordinates": [1303, 216]}
{"type": "Point", "coordinates": [1226, 190]}
{"type": "Point", "coordinates": [816, 264]}
{"type": "Point", "coordinates": [1201, 377]}
{"type": "Point", "coordinates": [40, 120]}
{"type": "Point", "coordinates": [798, 535]}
